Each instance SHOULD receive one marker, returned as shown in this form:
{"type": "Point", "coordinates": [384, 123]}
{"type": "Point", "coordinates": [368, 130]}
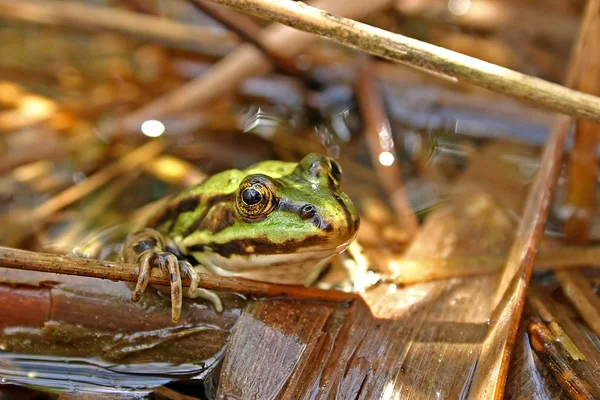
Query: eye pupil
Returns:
{"type": "Point", "coordinates": [251, 196]}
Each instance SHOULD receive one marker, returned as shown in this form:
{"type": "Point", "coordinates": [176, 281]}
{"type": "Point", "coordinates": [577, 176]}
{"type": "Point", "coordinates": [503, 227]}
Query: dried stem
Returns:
{"type": "Point", "coordinates": [31, 261]}
{"type": "Point", "coordinates": [582, 162]}
{"type": "Point", "coordinates": [249, 31]}
{"type": "Point", "coordinates": [582, 296]}
{"type": "Point", "coordinates": [380, 140]}
{"type": "Point", "coordinates": [407, 271]}
{"type": "Point", "coordinates": [430, 58]}
{"type": "Point", "coordinates": [544, 344]}
{"type": "Point", "coordinates": [105, 19]}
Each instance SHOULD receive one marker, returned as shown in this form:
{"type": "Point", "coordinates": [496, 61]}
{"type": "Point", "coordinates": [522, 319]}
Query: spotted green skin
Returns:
{"type": "Point", "coordinates": [205, 222]}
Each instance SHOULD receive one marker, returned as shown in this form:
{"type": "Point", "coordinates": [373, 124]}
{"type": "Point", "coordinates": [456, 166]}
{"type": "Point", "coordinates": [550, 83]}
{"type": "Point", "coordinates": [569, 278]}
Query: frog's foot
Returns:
{"type": "Point", "coordinates": [146, 249]}
{"type": "Point", "coordinates": [169, 265]}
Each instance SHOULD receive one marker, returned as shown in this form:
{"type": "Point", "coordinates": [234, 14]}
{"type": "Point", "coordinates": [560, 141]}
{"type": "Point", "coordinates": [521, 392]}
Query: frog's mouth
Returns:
{"type": "Point", "coordinates": [262, 246]}
{"type": "Point", "coordinates": [295, 268]}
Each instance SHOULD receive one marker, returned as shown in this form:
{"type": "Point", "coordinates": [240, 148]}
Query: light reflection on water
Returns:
{"type": "Point", "coordinates": [79, 375]}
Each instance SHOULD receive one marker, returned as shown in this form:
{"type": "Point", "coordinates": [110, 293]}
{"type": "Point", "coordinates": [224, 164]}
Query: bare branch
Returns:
{"type": "Point", "coordinates": [433, 59]}
{"type": "Point", "coordinates": [92, 18]}
{"type": "Point", "coordinates": [116, 271]}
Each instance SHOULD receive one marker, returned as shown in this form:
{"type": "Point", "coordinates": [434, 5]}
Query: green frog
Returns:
{"type": "Point", "coordinates": [275, 221]}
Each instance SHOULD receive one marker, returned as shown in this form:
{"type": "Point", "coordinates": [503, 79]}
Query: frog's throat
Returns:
{"type": "Point", "coordinates": [296, 268]}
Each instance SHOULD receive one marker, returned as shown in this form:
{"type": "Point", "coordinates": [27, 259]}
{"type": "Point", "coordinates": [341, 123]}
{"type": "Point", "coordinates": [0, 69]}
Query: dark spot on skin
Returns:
{"type": "Point", "coordinates": [218, 219]}
{"type": "Point", "coordinates": [171, 248]}
{"type": "Point", "coordinates": [261, 246]}
{"type": "Point", "coordinates": [188, 204]}
{"type": "Point", "coordinates": [228, 197]}
{"type": "Point", "coordinates": [173, 209]}
{"type": "Point", "coordinates": [144, 244]}
{"type": "Point", "coordinates": [173, 277]}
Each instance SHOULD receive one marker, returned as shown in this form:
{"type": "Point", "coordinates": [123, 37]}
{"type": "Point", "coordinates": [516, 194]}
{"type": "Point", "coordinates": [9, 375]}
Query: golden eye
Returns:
{"type": "Point", "coordinates": [335, 169]}
{"type": "Point", "coordinates": [255, 198]}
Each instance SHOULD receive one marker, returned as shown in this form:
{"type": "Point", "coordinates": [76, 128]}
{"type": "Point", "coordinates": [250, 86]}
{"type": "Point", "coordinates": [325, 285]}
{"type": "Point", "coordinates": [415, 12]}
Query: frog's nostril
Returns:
{"type": "Point", "coordinates": [307, 211]}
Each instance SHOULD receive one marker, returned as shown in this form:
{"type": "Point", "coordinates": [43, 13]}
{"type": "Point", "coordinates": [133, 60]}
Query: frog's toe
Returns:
{"type": "Point", "coordinates": [188, 270]}
{"type": "Point", "coordinates": [144, 268]}
{"type": "Point", "coordinates": [169, 263]}
{"type": "Point", "coordinates": [210, 296]}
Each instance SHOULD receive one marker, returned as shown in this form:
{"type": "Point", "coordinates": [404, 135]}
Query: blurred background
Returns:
{"type": "Point", "coordinates": [108, 106]}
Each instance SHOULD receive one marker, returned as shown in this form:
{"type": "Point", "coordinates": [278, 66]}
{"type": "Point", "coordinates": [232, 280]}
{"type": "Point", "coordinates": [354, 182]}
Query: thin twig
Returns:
{"type": "Point", "coordinates": [407, 271]}
{"type": "Point", "coordinates": [105, 19]}
{"type": "Point", "coordinates": [543, 343]}
{"type": "Point", "coordinates": [430, 58]}
{"type": "Point", "coordinates": [380, 141]}
{"type": "Point", "coordinates": [249, 31]}
{"type": "Point", "coordinates": [116, 271]}
{"type": "Point", "coordinates": [582, 296]}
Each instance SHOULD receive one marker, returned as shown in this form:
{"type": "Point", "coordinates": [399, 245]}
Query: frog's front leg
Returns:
{"type": "Point", "coordinates": [148, 248]}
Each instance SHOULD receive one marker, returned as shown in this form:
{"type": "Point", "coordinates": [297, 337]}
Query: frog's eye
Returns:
{"type": "Point", "coordinates": [336, 170]}
{"type": "Point", "coordinates": [255, 199]}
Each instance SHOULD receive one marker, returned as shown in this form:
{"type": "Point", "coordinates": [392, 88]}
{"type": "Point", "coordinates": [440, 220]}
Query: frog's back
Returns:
{"type": "Point", "coordinates": [184, 212]}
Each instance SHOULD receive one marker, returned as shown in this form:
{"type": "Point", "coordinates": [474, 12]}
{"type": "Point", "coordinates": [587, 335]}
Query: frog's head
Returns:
{"type": "Point", "coordinates": [288, 218]}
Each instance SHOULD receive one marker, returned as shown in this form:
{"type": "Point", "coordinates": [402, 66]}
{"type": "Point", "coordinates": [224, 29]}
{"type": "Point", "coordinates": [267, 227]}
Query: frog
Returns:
{"type": "Point", "coordinates": [275, 221]}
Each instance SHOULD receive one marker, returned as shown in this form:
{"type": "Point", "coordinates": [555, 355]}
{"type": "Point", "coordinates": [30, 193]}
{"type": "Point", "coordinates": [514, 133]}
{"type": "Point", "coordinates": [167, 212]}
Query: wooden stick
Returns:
{"type": "Point", "coordinates": [106, 19]}
{"type": "Point", "coordinates": [544, 344]}
{"type": "Point", "coordinates": [249, 31]}
{"type": "Point", "coordinates": [116, 271]}
{"type": "Point", "coordinates": [380, 141]}
{"type": "Point", "coordinates": [415, 53]}
{"type": "Point", "coordinates": [582, 296]}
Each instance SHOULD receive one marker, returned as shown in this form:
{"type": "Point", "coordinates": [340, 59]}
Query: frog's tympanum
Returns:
{"type": "Point", "coordinates": [275, 222]}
